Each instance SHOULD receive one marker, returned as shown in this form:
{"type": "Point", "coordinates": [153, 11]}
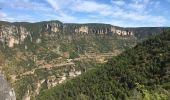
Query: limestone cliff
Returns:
{"type": "Point", "coordinates": [11, 34]}
{"type": "Point", "coordinates": [103, 29]}
{"type": "Point", "coordinates": [123, 32]}
{"type": "Point", "coordinates": [53, 27]}
{"type": "Point", "coordinates": [16, 33]}
{"type": "Point", "coordinates": [82, 29]}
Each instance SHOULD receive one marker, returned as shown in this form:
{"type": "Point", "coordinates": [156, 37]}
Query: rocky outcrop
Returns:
{"type": "Point", "coordinates": [53, 27]}
{"type": "Point", "coordinates": [23, 33]}
{"type": "Point", "coordinates": [11, 41]}
{"type": "Point", "coordinates": [6, 93]}
{"type": "Point", "coordinates": [122, 32]}
{"type": "Point", "coordinates": [53, 80]}
{"type": "Point", "coordinates": [103, 30]}
{"type": "Point", "coordinates": [16, 33]}
{"type": "Point", "coordinates": [82, 29]}
{"type": "Point", "coordinates": [99, 31]}
{"type": "Point", "coordinates": [11, 34]}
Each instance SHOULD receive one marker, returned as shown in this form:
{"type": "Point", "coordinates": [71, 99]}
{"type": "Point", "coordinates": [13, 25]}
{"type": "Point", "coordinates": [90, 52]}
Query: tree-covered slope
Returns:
{"type": "Point", "coordinates": [37, 56]}
{"type": "Point", "coordinates": [41, 55]}
{"type": "Point", "coordinates": [139, 73]}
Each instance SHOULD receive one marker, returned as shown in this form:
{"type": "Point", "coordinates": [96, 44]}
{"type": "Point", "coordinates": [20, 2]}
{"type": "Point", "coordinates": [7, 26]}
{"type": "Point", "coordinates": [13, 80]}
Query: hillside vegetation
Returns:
{"type": "Point", "coordinates": [46, 58]}
{"type": "Point", "coordinates": [141, 73]}
{"type": "Point", "coordinates": [42, 55]}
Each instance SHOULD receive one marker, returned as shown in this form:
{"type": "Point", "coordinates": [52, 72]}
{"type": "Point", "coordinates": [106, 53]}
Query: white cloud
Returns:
{"type": "Point", "coordinates": [135, 11]}
{"type": "Point", "coordinates": [145, 18]}
{"type": "Point", "coordinates": [139, 5]}
{"type": "Point", "coordinates": [118, 2]}
{"type": "Point", "coordinates": [25, 5]}
{"type": "Point", "coordinates": [56, 4]}
{"type": "Point", "coordinates": [2, 14]}
{"type": "Point", "coordinates": [5, 17]}
{"type": "Point", "coordinates": [92, 7]}
{"type": "Point", "coordinates": [60, 4]}
{"type": "Point", "coordinates": [61, 17]}
{"type": "Point", "coordinates": [59, 12]}
{"type": "Point", "coordinates": [118, 11]}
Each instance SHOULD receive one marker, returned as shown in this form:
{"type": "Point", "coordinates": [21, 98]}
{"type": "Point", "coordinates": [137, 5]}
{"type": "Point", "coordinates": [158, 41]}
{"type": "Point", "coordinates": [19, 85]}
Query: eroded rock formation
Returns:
{"type": "Point", "coordinates": [6, 93]}
{"type": "Point", "coordinates": [103, 30]}
{"type": "Point", "coordinates": [12, 33]}
{"type": "Point", "coordinates": [53, 27]}
{"type": "Point", "coordinates": [82, 29]}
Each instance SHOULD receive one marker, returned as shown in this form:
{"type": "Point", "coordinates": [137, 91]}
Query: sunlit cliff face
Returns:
{"type": "Point", "coordinates": [12, 34]}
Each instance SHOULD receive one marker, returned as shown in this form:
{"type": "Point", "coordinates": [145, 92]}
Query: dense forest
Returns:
{"type": "Point", "coordinates": [140, 73]}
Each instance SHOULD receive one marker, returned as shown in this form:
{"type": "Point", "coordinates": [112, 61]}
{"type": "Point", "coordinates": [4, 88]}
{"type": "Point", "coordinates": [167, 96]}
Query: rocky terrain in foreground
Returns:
{"type": "Point", "coordinates": [6, 92]}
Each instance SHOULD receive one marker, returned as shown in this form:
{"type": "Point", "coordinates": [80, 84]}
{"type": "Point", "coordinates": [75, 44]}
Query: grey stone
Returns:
{"type": "Point", "coordinates": [6, 93]}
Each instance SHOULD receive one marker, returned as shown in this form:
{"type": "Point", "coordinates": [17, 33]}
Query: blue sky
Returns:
{"type": "Point", "coordinates": [127, 13]}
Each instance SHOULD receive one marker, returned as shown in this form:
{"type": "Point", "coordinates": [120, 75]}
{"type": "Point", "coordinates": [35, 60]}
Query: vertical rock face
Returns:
{"type": "Point", "coordinates": [6, 93]}
{"type": "Point", "coordinates": [82, 29]}
{"type": "Point", "coordinates": [11, 41]}
{"type": "Point", "coordinates": [103, 30]}
{"type": "Point", "coordinates": [7, 34]}
{"type": "Point", "coordinates": [16, 33]}
{"type": "Point", "coordinates": [113, 29]}
{"type": "Point", "coordinates": [92, 29]}
{"type": "Point", "coordinates": [53, 27]}
{"type": "Point", "coordinates": [12, 34]}
{"type": "Point", "coordinates": [23, 33]}
{"type": "Point", "coordinates": [122, 32]}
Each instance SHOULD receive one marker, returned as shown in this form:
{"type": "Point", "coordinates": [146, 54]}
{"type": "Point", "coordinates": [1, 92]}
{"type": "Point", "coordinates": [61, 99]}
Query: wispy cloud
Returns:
{"type": "Point", "coordinates": [2, 14]}
{"type": "Point", "coordinates": [118, 2]}
{"type": "Point", "coordinates": [5, 17]}
{"type": "Point", "coordinates": [118, 12]}
{"type": "Point", "coordinates": [25, 5]}
{"type": "Point", "coordinates": [92, 7]}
